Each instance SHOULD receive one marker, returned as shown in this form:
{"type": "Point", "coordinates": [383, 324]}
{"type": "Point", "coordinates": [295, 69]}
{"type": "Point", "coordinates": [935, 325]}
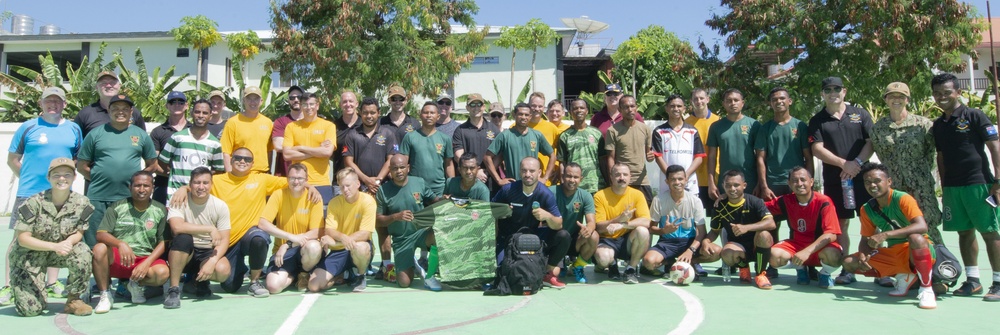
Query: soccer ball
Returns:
{"type": "Point", "coordinates": [681, 273]}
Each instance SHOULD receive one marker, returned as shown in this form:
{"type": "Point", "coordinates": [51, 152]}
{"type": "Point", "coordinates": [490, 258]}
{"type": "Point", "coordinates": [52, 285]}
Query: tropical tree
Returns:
{"type": "Point", "coordinates": [657, 62]}
{"type": "Point", "coordinates": [200, 33]}
{"type": "Point", "coordinates": [532, 35]}
{"type": "Point", "coordinates": [148, 92]}
{"type": "Point", "coordinates": [244, 46]}
{"type": "Point", "coordinates": [369, 44]}
{"type": "Point", "coordinates": [22, 97]}
{"type": "Point", "coordinates": [270, 105]}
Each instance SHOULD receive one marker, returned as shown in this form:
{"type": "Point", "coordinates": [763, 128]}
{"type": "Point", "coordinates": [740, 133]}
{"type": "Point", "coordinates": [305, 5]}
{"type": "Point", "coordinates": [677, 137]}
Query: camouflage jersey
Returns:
{"type": "Point", "coordinates": [39, 216]}
{"type": "Point", "coordinates": [583, 147]}
{"type": "Point", "coordinates": [907, 150]}
{"type": "Point", "coordinates": [466, 239]}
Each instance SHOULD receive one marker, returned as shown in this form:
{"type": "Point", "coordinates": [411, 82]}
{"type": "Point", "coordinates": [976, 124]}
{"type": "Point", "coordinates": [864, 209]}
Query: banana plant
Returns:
{"type": "Point", "coordinates": [148, 92]}
{"type": "Point", "coordinates": [21, 100]}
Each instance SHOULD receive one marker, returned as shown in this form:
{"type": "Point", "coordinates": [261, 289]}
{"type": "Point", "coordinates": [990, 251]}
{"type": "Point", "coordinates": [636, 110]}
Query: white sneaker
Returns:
{"type": "Point", "coordinates": [104, 305]}
{"type": "Point", "coordinates": [903, 283]}
{"type": "Point", "coordinates": [927, 298]}
{"type": "Point", "coordinates": [137, 291]}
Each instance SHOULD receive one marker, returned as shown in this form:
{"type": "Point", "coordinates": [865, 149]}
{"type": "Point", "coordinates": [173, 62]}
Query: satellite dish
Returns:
{"type": "Point", "coordinates": [585, 27]}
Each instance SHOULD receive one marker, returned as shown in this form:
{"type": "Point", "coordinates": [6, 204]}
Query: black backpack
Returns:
{"type": "Point", "coordinates": [523, 266]}
{"type": "Point", "coordinates": [946, 268]}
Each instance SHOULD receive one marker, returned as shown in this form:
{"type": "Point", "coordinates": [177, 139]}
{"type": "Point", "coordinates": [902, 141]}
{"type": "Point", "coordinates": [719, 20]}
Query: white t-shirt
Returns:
{"type": "Point", "coordinates": [688, 213]}
{"type": "Point", "coordinates": [678, 148]}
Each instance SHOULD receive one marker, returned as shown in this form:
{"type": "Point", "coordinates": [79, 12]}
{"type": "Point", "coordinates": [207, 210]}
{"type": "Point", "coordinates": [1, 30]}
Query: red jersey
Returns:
{"type": "Point", "coordinates": [808, 222]}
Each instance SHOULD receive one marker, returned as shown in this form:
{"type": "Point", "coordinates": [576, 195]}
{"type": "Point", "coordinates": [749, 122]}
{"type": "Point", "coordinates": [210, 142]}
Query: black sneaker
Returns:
{"type": "Point", "coordinates": [993, 294]}
{"type": "Point", "coordinates": [173, 299]}
{"type": "Point", "coordinates": [202, 290]}
{"type": "Point", "coordinates": [700, 271]}
{"type": "Point", "coordinates": [380, 275]}
{"type": "Point", "coordinates": [968, 289]}
{"type": "Point", "coordinates": [771, 273]}
{"type": "Point", "coordinates": [631, 276]}
{"type": "Point", "coordinates": [813, 274]}
{"type": "Point", "coordinates": [613, 273]}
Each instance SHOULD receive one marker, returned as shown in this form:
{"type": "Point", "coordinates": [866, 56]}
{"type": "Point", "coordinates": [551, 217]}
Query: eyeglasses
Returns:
{"type": "Point", "coordinates": [294, 97]}
{"type": "Point", "coordinates": [444, 103]}
{"type": "Point", "coordinates": [496, 115]}
{"type": "Point", "coordinates": [296, 179]}
{"type": "Point", "coordinates": [399, 99]}
{"type": "Point", "coordinates": [475, 104]}
{"type": "Point", "coordinates": [835, 89]}
{"type": "Point", "coordinates": [237, 158]}
{"type": "Point", "coordinates": [176, 102]}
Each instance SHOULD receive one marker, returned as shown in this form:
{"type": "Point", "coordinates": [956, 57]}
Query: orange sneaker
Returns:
{"type": "Point", "coordinates": [763, 282]}
{"type": "Point", "coordinates": [745, 275]}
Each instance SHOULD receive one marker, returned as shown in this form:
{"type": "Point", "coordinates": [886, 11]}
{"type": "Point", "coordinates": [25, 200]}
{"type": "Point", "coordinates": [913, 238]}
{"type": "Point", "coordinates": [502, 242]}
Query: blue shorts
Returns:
{"type": "Point", "coordinates": [619, 245]}
{"type": "Point", "coordinates": [672, 247]}
{"type": "Point", "coordinates": [291, 263]}
{"type": "Point", "coordinates": [337, 261]}
{"type": "Point", "coordinates": [237, 257]}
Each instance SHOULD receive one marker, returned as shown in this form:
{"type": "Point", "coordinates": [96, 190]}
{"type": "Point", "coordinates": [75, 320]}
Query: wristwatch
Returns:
{"type": "Point", "coordinates": [858, 160]}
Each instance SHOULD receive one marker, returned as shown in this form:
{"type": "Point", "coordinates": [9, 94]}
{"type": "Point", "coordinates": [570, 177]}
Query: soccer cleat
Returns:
{"type": "Point", "coordinates": [390, 273]}
{"type": "Point", "coordinates": [302, 281]}
{"type": "Point", "coordinates": [762, 282]}
{"type": "Point", "coordinates": [104, 305]}
{"type": "Point", "coordinates": [968, 289]}
{"type": "Point", "coordinates": [700, 271]}
{"type": "Point", "coordinates": [581, 277]}
{"type": "Point", "coordinates": [613, 273]}
{"type": "Point", "coordinates": [201, 289]}
{"type": "Point", "coordinates": [631, 276]}
{"type": "Point", "coordinates": [56, 290]}
{"type": "Point", "coordinates": [552, 281]}
{"type": "Point", "coordinates": [845, 278]}
{"type": "Point", "coordinates": [825, 280]}
{"type": "Point", "coordinates": [258, 290]}
{"type": "Point", "coordinates": [359, 285]}
{"type": "Point", "coordinates": [772, 273]}
{"type": "Point", "coordinates": [138, 292]}
{"type": "Point", "coordinates": [6, 296]}
{"type": "Point", "coordinates": [903, 283]}
{"type": "Point", "coordinates": [745, 275]}
{"type": "Point", "coordinates": [885, 282]}
{"type": "Point", "coordinates": [432, 284]}
{"type": "Point", "coordinates": [173, 299]}
{"type": "Point", "coordinates": [993, 294]}
{"type": "Point", "coordinates": [77, 307]}
{"type": "Point", "coordinates": [926, 298]}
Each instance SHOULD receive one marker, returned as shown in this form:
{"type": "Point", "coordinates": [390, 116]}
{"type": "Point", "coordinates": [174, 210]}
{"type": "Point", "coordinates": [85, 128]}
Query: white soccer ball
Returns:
{"type": "Point", "coordinates": [681, 273]}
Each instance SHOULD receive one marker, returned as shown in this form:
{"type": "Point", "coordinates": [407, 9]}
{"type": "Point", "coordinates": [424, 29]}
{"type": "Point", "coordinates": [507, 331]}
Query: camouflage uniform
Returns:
{"type": "Point", "coordinates": [40, 217]}
{"type": "Point", "coordinates": [907, 149]}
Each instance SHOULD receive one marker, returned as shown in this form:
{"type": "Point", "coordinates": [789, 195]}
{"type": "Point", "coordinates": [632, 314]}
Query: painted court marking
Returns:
{"type": "Point", "coordinates": [695, 310]}
{"type": "Point", "coordinates": [299, 314]}
{"type": "Point", "coordinates": [510, 309]}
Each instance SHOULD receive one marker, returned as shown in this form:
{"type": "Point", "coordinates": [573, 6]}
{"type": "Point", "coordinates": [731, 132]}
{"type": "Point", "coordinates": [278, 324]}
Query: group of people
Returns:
{"type": "Point", "coordinates": [199, 199]}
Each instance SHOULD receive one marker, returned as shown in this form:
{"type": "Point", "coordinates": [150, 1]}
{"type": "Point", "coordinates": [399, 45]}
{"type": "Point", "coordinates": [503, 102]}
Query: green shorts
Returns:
{"type": "Point", "coordinates": [404, 247]}
{"type": "Point", "coordinates": [965, 208]}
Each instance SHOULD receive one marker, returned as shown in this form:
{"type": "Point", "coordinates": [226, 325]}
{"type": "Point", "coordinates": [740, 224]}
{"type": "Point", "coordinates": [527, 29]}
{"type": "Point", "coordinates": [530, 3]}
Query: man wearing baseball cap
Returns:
{"type": "Point", "coordinates": [219, 113]}
{"type": "Point", "coordinates": [278, 130]}
{"type": "Point", "coordinates": [446, 124]}
{"type": "Point", "coordinates": [840, 137]}
{"type": "Point", "coordinates": [609, 115]}
{"type": "Point", "coordinates": [34, 145]}
{"type": "Point", "coordinates": [96, 114]}
{"type": "Point", "coordinates": [176, 121]}
{"type": "Point", "coordinates": [249, 129]}
{"type": "Point", "coordinates": [475, 136]}
{"type": "Point", "coordinates": [497, 114]}
{"type": "Point", "coordinates": [397, 119]}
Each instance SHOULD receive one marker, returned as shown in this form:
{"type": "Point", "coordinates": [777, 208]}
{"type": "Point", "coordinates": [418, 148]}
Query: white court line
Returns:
{"type": "Point", "coordinates": [695, 311]}
{"type": "Point", "coordinates": [299, 314]}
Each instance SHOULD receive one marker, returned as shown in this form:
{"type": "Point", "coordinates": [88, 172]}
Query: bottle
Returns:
{"type": "Point", "coordinates": [848, 186]}
{"type": "Point", "coordinates": [727, 273]}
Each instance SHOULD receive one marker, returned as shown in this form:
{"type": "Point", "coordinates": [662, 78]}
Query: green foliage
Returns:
{"type": "Point", "coordinates": [22, 99]}
{"type": "Point", "coordinates": [272, 104]}
{"type": "Point", "coordinates": [869, 43]}
{"type": "Point", "coordinates": [244, 46]}
{"type": "Point", "coordinates": [532, 35]}
{"type": "Point", "coordinates": [368, 45]}
{"type": "Point", "coordinates": [655, 61]}
{"type": "Point", "coordinates": [200, 33]}
{"type": "Point", "coordinates": [148, 92]}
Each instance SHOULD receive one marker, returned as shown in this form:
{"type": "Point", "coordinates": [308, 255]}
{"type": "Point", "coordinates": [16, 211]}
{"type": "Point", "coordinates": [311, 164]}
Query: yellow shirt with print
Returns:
{"type": "Point", "coordinates": [252, 133]}
{"type": "Point", "coordinates": [702, 125]}
{"type": "Point", "coordinates": [294, 215]}
{"type": "Point", "coordinates": [608, 205]}
{"type": "Point", "coordinates": [246, 197]}
{"type": "Point", "coordinates": [348, 218]}
{"type": "Point", "coordinates": [551, 134]}
{"type": "Point", "coordinates": [312, 134]}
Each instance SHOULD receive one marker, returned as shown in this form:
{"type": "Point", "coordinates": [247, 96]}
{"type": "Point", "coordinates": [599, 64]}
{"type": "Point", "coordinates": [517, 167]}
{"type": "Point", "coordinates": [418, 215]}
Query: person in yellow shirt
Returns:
{"type": "Point", "coordinates": [294, 222]}
{"type": "Point", "coordinates": [249, 129]}
{"type": "Point", "coordinates": [555, 113]}
{"type": "Point", "coordinates": [551, 133]}
{"type": "Point", "coordinates": [347, 235]}
{"type": "Point", "coordinates": [311, 141]}
{"type": "Point", "coordinates": [623, 222]}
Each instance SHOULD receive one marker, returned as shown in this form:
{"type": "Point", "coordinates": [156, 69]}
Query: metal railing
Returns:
{"type": "Point", "coordinates": [981, 83]}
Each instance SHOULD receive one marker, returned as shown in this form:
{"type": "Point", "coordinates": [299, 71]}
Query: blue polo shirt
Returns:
{"type": "Point", "coordinates": [39, 142]}
{"type": "Point", "coordinates": [521, 206]}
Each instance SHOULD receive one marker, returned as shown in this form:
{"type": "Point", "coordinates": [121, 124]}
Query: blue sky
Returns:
{"type": "Point", "coordinates": [684, 18]}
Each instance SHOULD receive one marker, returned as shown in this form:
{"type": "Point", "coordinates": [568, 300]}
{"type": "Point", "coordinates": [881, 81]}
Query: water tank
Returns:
{"type": "Point", "coordinates": [22, 25]}
{"type": "Point", "coordinates": [48, 29]}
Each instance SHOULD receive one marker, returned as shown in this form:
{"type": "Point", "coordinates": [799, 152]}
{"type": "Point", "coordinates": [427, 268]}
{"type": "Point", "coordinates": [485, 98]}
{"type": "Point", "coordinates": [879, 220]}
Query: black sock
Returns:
{"type": "Point", "coordinates": [973, 279]}
{"type": "Point", "coordinates": [763, 257]}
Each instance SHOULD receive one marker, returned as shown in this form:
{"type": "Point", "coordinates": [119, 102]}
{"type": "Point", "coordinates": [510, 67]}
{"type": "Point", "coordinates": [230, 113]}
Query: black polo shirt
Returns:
{"type": "Point", "coordinates": [960, 140]}
{"type": "Point", "coordinates": [343, 129]}
{"type": "Point", "coordinates": [94, 116]}
{"type": "Point", "coordinates": [216, 128]}
{"type": "Point", "coordinates": [844, 137]}
{"type": "Point", "coordinates": [370, 153]}
{"type": "Point", "coordinates": [474, 139]}
{"type": "Point", "coordinates": [409, 124]}
{"type": "Point", "coordinates": [161, 135]}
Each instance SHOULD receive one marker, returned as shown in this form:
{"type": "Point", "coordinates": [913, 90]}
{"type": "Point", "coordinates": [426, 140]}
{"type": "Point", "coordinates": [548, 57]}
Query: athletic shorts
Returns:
{"type": "Point", "coordinates": [404, 248]}
{"type": "Point", "coordinates": [835, 191]}
{"type": "Point", "coordinates": [119, 271]}
{"type": "Point", "coordinates": [327, 192]}
{"type": "Point", "coordinates": [670, 248]}
{"type": "Point", "coordinates": [291, 263]}
{"type": "Point", "coordinates": [965, 208]}
{"type": "Point", "coordinates": [336, 262]}
{"type": "Point", "coordinates": [749, 248]}
{"type": "Point", "coordinates": [706, 201]}
{"type": "Point", "coordinates": [620, 245]}
{"type": "Point", "coordinates": [792, 247]}
{"type": "Point", "coordinates": [893, 260]}
{"type": "Point", "coordinates": [198, 256]}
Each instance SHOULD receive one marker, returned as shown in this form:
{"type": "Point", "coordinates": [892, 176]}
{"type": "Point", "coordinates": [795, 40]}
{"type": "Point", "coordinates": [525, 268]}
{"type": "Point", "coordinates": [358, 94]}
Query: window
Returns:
{"type": "Point", "coordinates": [486, 60]}
{"type": "Point", "coordinates": [183, 52]}
{"type": "Point", "coordinates": [30, 60]}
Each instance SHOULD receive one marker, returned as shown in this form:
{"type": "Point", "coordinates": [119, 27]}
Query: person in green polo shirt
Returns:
{"type": "Point", "coordinates": [430, 151]}
{"type": "Point", "coordinates": [513, 145]}
{"type": "Point", "coordinates": [579, 217]}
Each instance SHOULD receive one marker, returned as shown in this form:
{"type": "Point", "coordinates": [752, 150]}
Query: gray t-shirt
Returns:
{"type": "Point", "coordinates": [214, 212]}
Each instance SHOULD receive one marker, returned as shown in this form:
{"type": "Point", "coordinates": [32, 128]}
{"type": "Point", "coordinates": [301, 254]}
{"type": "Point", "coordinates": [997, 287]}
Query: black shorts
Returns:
{"type": "Point", "coordinates": [619, 245]}
{"type": "Point", "coordinates": [198, 256]}
{"type": "Point", "coordinates": [747, 243]}
{"type": "Point", "coordinates": [706, 201]}
{"type": "Point", "coordinates": [673, 247]}
{"type": "Point", "coordinates": [836, 193]}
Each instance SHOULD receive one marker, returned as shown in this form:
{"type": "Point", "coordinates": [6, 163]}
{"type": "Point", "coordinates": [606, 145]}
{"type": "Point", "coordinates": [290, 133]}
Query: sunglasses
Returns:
{"type": "Point", "coordinates": [612, 94]}
{"type": "Point", "coordinates": [397, 99]}
{"type": "Point", "coordinates": [294, 97]}
{"type": "Point", "coordinates": [496, 115]}
{"type": "Point", "coordinates": [237, 158]}
{"type": "Point", "coordinates": [176, 102]}
{"type": "Point", "coordinates": [835, 89]}
{"type": "Point", "coordinates": [444, 103]}
{"type": "Point", "coordinates": [475, 104]}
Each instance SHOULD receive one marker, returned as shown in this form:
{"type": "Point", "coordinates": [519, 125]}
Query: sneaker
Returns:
{"type": "Point", "coordinates": [762, 282]}
{"type": "Point", "coordinates": [802, 276]}
{"type": "Point", "coordinates": [903, 283]}
{"type": "Point", "coordinates": [772, 273]}
{"type": "Point", "coordinates": [380, 274]}
{"type": "Point", "coordinates": [370, 271]}
{"type": "Point", "coordinates": [993, 294]}
{"type": "Point", "coordinates": [432, 284]}
{"type": "Point", "coordinates": [825, 280]}
{"type": "Point", "coordinates": [390, 273]}
{"type": "Point", "coordinates": [845, 278]}
{"type": "Point", "coordinates": [257, 289]}
{"type": "Point", "coordinates": [581, 277]}
{"type": "Point", "coordinates": [968, 289]}
{"type": "Point", "coordinates": [173, 299]}
{"type": "Point", "coordinates": [700, 271]}
{"type": "Point", "coordinates": [104, 305]}
{"type": "Point", "coordinates": [613, 273]}
{"type": "Point", "coordinates": [360, 285]}
{"type": "Point", "coordinates": [926, 297]}
{"type": "Point", "coordinates": [302, 281]}
{"type": "Point", "coordinates": [121, 291]}
{"type": "Point", "coordinates": [202, 289]}
{"type": "Point", "coordinates": [137, 291]}
{"type": "Point", "coordinates": [885, 282]}
{"type": "Point", "coordinates": [813, 273]}
{"type": "Point", "coordinates": [77, 307]}
{"type": "Point", "coordinates": [56, 290]}
{"type": "Point", "coordinates": [552, 281]}
{"type": "Point", "coordinates": [6, 296]}
{"type": "Point", "coordinates": [745, 275]}
{"type": "Point", "coordinates": [631, 276]}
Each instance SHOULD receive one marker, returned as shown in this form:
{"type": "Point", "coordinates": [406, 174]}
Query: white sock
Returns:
{"type": "Point", "coordinates": [827, 269]}
{"type": "Point", "coordinates": [972, 271]}
{"type": "Point", "coordinates": [996, 276]}
{"type": "Point", "coordinates": [386, 262]}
